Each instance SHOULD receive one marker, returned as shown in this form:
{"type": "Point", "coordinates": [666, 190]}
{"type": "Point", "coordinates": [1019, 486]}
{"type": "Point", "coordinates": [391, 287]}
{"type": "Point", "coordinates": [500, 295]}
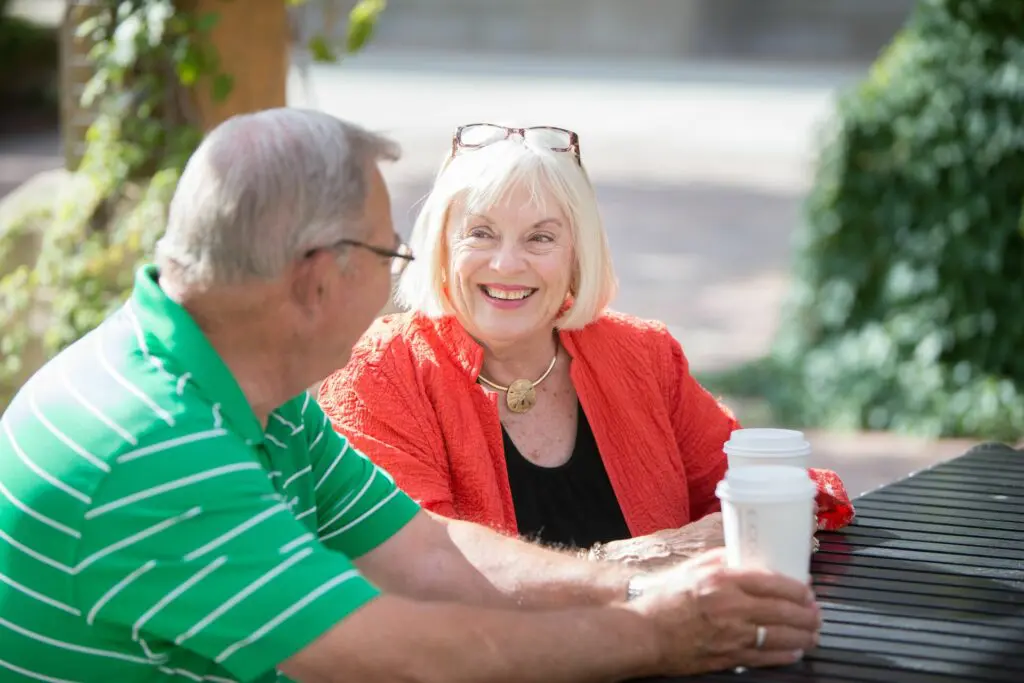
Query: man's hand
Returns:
{"type": "Point", "coordinates": [705, 616]}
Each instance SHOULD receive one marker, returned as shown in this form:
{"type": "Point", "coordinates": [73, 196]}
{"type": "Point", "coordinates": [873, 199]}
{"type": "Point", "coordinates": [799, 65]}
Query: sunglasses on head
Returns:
{"type": "Point", "coordinates": [477, 135]}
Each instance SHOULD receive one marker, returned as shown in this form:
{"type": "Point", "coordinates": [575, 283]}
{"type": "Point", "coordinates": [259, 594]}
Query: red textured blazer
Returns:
{"type": "Point", "coordinates": [409, 399]}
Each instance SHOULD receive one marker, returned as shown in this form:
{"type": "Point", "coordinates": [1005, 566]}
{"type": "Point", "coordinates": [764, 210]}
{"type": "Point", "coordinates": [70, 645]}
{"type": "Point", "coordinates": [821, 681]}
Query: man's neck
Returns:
{"type": "Point", "coordinates": [261, 372]}
{"type": "Point", "coordinates": [242, 328]}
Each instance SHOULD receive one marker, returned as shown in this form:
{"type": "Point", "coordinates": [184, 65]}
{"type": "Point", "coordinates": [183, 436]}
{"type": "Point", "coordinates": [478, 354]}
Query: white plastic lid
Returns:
{"type": "Point", "coordinates": [766, 484]}
{"type": "Point", "coordinates": [768, 441]}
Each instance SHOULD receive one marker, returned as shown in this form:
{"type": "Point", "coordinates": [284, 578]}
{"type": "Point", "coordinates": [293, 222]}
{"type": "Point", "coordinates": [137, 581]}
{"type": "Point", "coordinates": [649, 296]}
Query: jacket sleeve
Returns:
{"type": "Point", "coordinates": [377, 401]}
{"type": "Point", "coordinates": [702, 425]}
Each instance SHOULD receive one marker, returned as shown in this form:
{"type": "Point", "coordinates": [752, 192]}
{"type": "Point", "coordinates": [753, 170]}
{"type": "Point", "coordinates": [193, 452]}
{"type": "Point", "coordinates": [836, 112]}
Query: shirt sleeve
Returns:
{"type": "Point", "coordinates": [702, 424]}
{"type": "Point", "coordinates": [378, 403]}
{"type": "Point", "coordinates": [359, 506]}
{"type": "Point", "coordinates": [188, 545]}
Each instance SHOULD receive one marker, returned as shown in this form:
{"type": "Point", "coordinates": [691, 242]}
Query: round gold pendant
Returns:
{"type": "Point", "coordinates": [520, 396]}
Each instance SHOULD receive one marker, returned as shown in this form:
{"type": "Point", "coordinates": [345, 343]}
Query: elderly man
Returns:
{"type": "Point", "coordinates": [176, 506]}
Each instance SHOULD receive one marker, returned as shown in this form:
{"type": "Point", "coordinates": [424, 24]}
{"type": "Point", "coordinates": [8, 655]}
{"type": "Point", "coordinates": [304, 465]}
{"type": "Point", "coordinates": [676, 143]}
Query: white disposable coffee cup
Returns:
{"type": "Point", "coordinates": [768, 518]}
{"type": "Point", "coordinates": [767, 446]}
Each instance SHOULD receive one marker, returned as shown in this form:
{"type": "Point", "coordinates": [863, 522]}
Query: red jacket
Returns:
{"type": "Point", "coordinates": [410, 401]}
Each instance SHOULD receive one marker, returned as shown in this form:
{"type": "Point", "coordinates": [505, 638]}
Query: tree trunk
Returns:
{"type": "Point", "coordinates": [252, 41]}
{"type": "Point", "coordinates": [75, 72]}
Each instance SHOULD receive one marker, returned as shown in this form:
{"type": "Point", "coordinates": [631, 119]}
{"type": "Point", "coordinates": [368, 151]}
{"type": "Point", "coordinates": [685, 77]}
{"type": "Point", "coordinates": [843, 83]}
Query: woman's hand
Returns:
{"type": "Point", "coordinates": [665, 547]}
{"type": "Point", "coordinates": [669, 546]}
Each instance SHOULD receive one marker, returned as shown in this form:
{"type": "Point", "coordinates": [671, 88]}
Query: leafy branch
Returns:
{"type": "Point", "coordinates": [150, 58]}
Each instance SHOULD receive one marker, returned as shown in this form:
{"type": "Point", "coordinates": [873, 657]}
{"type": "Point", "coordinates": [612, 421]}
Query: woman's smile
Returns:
{"type": "Point", "coordinates": [507, 296]}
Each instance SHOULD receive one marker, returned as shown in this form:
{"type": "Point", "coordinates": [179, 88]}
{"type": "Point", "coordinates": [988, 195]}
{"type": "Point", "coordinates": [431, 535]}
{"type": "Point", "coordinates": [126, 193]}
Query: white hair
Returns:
{"type": "Point", "coordinates": [264, 188]}
{"type": "Point", "coordinates": [482, 178]}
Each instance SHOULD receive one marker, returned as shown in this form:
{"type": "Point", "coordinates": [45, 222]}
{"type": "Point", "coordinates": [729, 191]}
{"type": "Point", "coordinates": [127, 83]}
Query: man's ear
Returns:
{"type": "Point", "coordinates": [310, 280]}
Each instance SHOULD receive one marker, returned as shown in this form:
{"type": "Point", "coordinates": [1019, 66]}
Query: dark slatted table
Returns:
{"type": "Point", "coordinates": [927, 584]}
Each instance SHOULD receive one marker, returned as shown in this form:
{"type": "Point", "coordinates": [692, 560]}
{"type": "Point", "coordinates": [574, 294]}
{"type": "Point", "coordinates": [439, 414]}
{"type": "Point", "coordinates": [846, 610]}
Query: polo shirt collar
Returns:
{"type": "Point", "coordinates": [170, 331]}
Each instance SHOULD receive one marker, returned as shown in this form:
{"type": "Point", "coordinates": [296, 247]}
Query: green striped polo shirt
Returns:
{"type": "Point", "coordinates": [151, 528]}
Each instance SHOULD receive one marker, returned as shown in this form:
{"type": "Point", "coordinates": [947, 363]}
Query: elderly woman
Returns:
{"type": "Point", "coordinates": [507, 393]}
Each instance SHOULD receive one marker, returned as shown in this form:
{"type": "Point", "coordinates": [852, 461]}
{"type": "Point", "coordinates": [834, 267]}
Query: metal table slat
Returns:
{"type": "Point", "coordinates": [926, 585]}
{"type": "Point", "coordinates": [998, 629]}
{"type": "Point", "coordinates": [978, 468]}
{"type": "Point", "coordinates": [935, 544]}
{"type": "Point", "coordinates": [953, 608]}
{"type": "Point", "coordinates": [875, 511]}
{"type": "Point", "coordinates": [991, 505]}
{"type": "Point", "coordinates": [938, 486]}
{"type": "Point", "coordinates": [975, 476]}
{"type": "Point", "coordinates": [937, 510]}
{"type": "Point", "coordinates": [932, 559]}
{"type": "Point", "coordinates": [996, 595]}
{"type": "Point", "coordinates": [954, 537]}
{"type": "Point", "coordinates": [830, 571]}
{"type": "Point", "coordinates": [899, 658]}
{"type": "Point", "coordinates": [866, 520]}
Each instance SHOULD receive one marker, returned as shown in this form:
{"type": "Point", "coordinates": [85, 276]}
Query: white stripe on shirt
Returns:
{"type": "Point", "coordinates": [170, 486]}
{"type": "Point", "coordinates": [46, 476]}
{"type": "Point", "coordinates": [38, 515]}
{"type": "Point", "coordinates": [276, 621]}
{"type": "Point", "coordinates": [25, 590]}
{"type": "Point", "coordinates": [170, 597]}
{"type": "Point", "coordinates": [136, 537]}
{"type": "Point", "coordinates": [242, 595]}
{"type": "Point", "coordinates": [132, 389]}
{"type": "Point", "coordinates": [97, 413]}
{"type": "Point", "coordinates": [361, 517]}
{"type": "Point", "coordinates": [237, 531]}
{"type": "Point", "coordinates": [333, 465]}
{"type": "Point", "coordinates": [117, 588]}
{"type": "Point", "coordinates": [171, 443]}
{"type": "Point", "coordinates": [64, 438]}
{"type": "Point", "coordinates": [71, 646]}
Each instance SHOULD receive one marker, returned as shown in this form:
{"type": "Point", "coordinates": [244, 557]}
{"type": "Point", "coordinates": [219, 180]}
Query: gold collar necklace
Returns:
{"type": "Point", "coordinates": [520, 396]}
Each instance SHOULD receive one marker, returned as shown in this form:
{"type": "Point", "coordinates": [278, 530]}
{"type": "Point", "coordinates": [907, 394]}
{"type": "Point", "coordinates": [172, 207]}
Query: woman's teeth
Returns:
{"type": "Point", "coordinates": [508, 294]}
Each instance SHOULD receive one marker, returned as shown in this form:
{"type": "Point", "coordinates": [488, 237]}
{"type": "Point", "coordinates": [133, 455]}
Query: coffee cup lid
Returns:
{"type": "Point", "coordinates": [768, 441]}
{"type": "Point", "coordinates": [766, 483]}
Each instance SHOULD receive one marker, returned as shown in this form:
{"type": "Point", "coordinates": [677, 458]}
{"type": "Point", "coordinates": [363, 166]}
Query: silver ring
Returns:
{"type": "Point", "coordinates": [762, 633]}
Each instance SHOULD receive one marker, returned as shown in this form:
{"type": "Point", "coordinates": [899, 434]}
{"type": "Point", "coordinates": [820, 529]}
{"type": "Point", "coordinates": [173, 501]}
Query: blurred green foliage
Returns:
{"type": "Point", "coordinates": [907, 308]}
{"type": "Point", "coordinates": [105, 221]}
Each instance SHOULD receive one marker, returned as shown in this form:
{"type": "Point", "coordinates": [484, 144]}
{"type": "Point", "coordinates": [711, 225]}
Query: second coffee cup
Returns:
{"type": "Point", "coordinates": [767, 446]}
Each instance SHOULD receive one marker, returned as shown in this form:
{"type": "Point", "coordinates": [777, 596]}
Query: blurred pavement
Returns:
{"type": "Point", "coordinates": [699, 168]}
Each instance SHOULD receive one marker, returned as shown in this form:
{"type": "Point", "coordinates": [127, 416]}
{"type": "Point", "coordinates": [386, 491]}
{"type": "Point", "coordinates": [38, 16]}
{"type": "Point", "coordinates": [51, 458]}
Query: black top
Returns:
{"type": "Point", "coordinates": [571, 505]}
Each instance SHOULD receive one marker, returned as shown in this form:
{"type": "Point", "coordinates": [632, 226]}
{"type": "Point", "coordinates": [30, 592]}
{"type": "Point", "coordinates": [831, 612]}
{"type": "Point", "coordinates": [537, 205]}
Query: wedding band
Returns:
{"type": "Point", "coordinates": [762, 633]}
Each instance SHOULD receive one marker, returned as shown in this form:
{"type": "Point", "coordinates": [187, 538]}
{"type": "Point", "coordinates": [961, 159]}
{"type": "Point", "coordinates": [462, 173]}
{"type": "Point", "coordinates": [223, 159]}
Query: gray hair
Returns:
{"type": "Point", "coordinates": [264, 188]}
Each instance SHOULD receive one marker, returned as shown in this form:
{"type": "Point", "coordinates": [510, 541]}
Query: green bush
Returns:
{"type": "Point", "coordinates": [907, 310]}
{"type": "Point", "coordinates": [68, 260]}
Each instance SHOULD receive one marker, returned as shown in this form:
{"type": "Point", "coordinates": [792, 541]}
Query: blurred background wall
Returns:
{"type": "Point", "coordinates": [786, 30]}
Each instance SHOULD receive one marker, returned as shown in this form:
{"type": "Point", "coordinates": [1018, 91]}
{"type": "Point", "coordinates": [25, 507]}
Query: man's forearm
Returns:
{"type": "Point", "coordinates": [435, 558]}
{"type": "Point", "coordinates": [394, 639]}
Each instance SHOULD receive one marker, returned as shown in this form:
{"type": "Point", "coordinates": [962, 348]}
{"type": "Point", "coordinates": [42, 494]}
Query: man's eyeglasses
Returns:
{"type": "Point", "coordinates": [400, 256]}
{"type": "Point", "coordinates": [477, 135]}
